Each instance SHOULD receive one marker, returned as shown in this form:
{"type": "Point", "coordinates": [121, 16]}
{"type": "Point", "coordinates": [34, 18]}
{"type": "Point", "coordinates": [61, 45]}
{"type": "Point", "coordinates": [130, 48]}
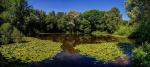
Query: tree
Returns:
{"type": "Point", "coordinates": [16, 11]}
{"type": "Point", "coordinates": [133, 7]}
{"type": "Point", "coordinates": [112, 20]}
{"type": "Point", "coordinates": [142, 32]}
{"type": "Point", "coordinates": [51, 22]}
{"type": "Point", "coordinates": [93, 16]}
{"type": "Point", "coordinates": [84, 26]}
{"type": "Point", "coordinates": [69, 22]}
{"type": "Point", "coordinates": [1, 10]}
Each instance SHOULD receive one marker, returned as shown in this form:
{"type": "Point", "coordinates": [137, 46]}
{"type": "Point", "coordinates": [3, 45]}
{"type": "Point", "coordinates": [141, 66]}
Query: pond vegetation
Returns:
{"type": "Point", "coordinates": [106, 52]}
{"type": "Point", "coordinates": [34, 50]}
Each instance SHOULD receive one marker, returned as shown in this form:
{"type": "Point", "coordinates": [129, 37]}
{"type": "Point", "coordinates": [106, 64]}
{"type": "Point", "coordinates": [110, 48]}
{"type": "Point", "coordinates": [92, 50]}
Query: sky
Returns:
{"type": "Point", "coordinates": [79, 5]}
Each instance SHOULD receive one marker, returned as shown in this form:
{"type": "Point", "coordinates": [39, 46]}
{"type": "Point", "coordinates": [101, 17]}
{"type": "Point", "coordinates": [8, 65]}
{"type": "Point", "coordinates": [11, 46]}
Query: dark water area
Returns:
{"type": "Point", "coordinates": [77, 38]}
{"type": "Point", "coordinates": [69, 41]}
{"type": "Point", "coordinates": [74, 60]}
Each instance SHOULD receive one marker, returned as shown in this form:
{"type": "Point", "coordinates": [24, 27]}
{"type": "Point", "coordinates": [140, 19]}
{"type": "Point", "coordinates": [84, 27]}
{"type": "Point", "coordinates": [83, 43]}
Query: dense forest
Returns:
{"type": "Point", "coordinates": [19, 17]}
{"type": "Point", "coordinates": [18, 20]}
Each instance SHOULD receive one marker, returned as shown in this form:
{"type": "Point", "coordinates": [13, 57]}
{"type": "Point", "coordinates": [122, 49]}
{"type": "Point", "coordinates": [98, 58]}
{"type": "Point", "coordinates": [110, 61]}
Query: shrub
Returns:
{"type": "Point", "coordinates": [142, 33]}
{"type": "Point", "coordinates": [98, 33]}
{"type": "Point", "coordinates": [141, 55]}
{"type": "Point", "coordinates": [138, 56]}
{"type": "Point", "coordinates": [17, 35]}
{"type": "Point", "coordinates": [9, 34]}
{"type": "Point", "coordinates": [125, 30]}
{"type": "Point", "coordinates": [5, 31]}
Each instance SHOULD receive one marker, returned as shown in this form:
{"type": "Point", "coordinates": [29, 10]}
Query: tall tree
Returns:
{"type": "Point", "coordinates": [142, 16]}
{"type": "Point", "coordinates": [133, 7]}
{"type": "Point", "coordinates": [16, 11]}
{"type": "Point", "coordinates": [21, 11]}
{"type": "Point", "coordinates": [93, 16]}
{"type": "Point", "coordinates": [112, 20]}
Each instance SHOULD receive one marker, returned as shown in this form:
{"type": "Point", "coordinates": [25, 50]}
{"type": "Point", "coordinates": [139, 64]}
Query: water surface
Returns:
{"type": "Point", "coordinates": [70, 56]}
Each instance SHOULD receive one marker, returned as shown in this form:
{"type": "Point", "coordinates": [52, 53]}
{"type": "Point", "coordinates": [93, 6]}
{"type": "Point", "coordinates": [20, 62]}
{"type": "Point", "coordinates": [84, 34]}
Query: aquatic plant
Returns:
{"type": "Point", "coordinates": [34, 50]}
{"type": "Point", "coordinates": [105, 52]}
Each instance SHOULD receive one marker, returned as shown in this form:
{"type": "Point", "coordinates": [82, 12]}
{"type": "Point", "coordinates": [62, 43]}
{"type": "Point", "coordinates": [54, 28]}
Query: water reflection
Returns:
{"type": "Point", "coordinates": [70, 40]}
{"type": "Point", "coordinates": [68, 44]}
{"type": "Point", "coordinates": [70, 57]}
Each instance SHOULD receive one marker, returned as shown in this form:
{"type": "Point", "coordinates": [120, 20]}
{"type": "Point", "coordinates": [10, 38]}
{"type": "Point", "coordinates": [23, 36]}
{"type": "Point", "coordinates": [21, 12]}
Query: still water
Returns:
{"type": "Point", "coordinates": [69, 41]}
{"type": "Point", "coordinates": [70, 57]}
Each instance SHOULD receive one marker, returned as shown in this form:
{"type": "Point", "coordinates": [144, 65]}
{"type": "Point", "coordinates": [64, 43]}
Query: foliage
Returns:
{"type": "Point", "coordinates": [84, 26]}
{"type": "Point", "coordinates": [94, 17]}
{"type": "Point", "coordinates": [16, 35]}
{"type": "Point", "coordinates": [104, 51]}
{"type": "Point", "coordinates": [112, 20]}
{"type": "Point", "coordinates": [5, 31]}
{"type": "Point", "coordinates": [107, 21]}
{"type": "Point", "coordinates": [142, 32]}
{"type": "Point", "coordinates": [138, 56]}
{"type": "Point", "coordinates": [23, 17]}
{"type": "Point", "coordinates": [146, 48]}
{"type": "Point", "coordinates": [35, 50]}
{"type": "Point", "coordinates": [133, 8]}
{"type": "Point", "coordinates": [125, 30]}
{"type": "Point", "coordinates": [98, 33]}
{"type": "Point", "coordinates": [9, 34]}
{"type": "Point", "coordinates": [141, 55]}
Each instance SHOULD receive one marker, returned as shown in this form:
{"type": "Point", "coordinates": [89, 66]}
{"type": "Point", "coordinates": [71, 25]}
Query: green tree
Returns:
{"type": "Point", "coordinates": [69, 22]}
{"type": "Point", "coordinates": [112, 20]}
{"type": "Point", "coordinates": [142, 16]}
{"type": "Point", "coordinates": [93, 16]}
{"type": "Point", "coordinates": [84, 26]}
{"type": "Point", "coordinates": [16, 11]}
{"type": "Point", "coordinates": [133, 7]}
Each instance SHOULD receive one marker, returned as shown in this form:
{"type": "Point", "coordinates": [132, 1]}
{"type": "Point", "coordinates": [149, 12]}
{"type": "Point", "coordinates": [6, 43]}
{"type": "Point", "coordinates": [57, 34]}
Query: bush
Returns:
{"type": "Point", "coordinates": [138, 56]}
{"type": "Point", "coordinates": [142, 33]}
{"type": "Point", "coordinates": [17, 35]}
{"type": "Point", "coordinates": [5, 31]}
{"type": "Point", "coordinates": [9, 34]}
{"type": "Point", "coordinates": [141, 55]}
{"type": "Point", "coordinates": [125, 30]}
{"type": "Point", "coordinates": [98, 33]}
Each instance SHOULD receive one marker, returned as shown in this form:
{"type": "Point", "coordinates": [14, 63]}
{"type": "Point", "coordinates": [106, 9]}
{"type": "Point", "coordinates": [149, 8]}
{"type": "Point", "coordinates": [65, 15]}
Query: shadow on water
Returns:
{"type": "Point", "coordinates": [64, 59]}
{"type": "Point", "coordinates": [126, 48]}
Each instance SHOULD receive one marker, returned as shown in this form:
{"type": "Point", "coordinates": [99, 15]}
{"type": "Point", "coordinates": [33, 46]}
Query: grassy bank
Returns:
{"type": "Point", "coordinates": [34, 50]}
{"type": "Point", "coordinates": [106, 52]}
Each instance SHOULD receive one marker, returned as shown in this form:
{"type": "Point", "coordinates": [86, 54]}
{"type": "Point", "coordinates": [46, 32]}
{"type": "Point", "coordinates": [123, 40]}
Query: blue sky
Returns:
{"type": "Point", "coordinates": [78, 5]}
